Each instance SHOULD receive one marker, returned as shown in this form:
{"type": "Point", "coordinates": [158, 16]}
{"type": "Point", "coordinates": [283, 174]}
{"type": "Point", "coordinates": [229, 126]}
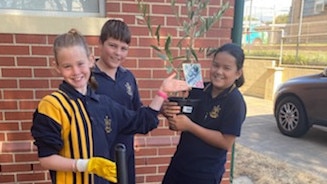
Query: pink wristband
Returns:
{"type": "Point", "coordinates": [162, 94]}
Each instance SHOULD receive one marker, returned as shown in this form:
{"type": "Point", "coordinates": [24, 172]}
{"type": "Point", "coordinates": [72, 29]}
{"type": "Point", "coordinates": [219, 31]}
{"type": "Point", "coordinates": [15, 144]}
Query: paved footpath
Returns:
{"type": "Point", "coordinates": [260, 133]}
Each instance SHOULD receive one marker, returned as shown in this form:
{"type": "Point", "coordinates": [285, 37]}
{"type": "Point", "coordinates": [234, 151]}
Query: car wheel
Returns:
{"type": "Point", "coordinates": [291, 118]}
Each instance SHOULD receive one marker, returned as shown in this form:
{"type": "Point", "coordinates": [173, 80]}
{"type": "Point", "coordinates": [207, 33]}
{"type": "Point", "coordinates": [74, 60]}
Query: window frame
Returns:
{"type": "Point", "coordinates": [101, 12]}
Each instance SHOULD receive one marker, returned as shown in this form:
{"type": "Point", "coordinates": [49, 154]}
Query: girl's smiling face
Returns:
{"type": "Point", "coordinates": [223, 72]}
{"type": "Point", "coordinates": [75, 66]}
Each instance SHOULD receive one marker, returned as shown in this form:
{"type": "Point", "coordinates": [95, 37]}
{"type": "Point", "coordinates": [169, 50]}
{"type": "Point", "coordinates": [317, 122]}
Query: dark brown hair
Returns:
{"type": "Point", "coordinates": [115, 29]}
{"type": "Point", "coordinates": [237, 52]}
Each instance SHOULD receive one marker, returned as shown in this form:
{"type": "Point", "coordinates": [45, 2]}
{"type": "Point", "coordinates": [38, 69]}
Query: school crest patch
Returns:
{"type": "Point", "coordinates": [215, 111]}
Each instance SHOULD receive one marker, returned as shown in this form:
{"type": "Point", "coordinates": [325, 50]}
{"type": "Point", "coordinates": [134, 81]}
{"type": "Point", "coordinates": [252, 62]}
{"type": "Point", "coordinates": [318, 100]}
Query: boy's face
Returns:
{"type": "Point", "coordinates": [113, 52]}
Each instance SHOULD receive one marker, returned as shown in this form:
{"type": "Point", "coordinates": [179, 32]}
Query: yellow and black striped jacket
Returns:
{"type": "Point", "coordinates": [75, 126]}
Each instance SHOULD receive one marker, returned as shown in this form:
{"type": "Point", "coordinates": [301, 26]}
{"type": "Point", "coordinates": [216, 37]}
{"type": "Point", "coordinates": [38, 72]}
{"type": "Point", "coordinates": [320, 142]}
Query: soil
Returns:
{"type": "Point", "coordinates": [262, 169]}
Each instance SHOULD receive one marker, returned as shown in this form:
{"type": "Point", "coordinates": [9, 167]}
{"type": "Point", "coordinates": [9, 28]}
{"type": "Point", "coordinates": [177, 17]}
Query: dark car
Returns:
{"type": "Point", "coordinates": [300, 103]}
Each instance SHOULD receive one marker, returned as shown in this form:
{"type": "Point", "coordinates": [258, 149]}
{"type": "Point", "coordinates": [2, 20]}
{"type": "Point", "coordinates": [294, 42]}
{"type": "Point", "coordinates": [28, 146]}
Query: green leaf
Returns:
{"type": "Point", "coordinates": [156, 48]}
{"type": "Point", "coordinates": [167, 48]}
{"type": "Point", "coordinates": [158, 34]}
{"type": "Point", "coordinates": [179, 57]}
{"type": "Point", "coordinates": [169, 69]}
{"type": "Point", "coordinates": [194, 54]}
{"type": "Point", "coordinates": [162, 56]}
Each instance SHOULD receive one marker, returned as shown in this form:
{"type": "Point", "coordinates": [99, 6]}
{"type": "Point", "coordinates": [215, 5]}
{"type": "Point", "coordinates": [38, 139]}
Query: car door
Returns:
{"type": "Point", "coordinates": [318, 97]}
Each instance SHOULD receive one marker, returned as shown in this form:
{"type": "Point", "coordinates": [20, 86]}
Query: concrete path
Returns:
{"type": "Point", "coordinates": [260, 133]}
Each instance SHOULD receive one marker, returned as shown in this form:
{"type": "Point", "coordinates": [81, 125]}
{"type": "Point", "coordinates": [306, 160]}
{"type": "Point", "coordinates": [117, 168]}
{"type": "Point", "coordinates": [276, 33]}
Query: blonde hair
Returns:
{"type": "Point", "coordinates": [69, 39]}
{"type": "Point", "coordinates": [73, 38]}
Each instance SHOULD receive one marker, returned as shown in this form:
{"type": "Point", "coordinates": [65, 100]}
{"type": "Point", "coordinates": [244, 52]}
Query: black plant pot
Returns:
{"type": "Point", "coordinates": [187, 104]}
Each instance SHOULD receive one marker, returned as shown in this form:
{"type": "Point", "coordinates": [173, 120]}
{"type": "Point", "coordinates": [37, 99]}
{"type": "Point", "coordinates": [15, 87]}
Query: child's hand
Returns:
{"type": "Point", "coordinates": [173, 85]}
{"type": "Point", "coordinates": [170, 109]}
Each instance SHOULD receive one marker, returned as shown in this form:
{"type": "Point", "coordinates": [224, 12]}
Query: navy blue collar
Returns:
{"type": "Point", "coordinates": [208, 88]}
{"type": "Point", "coordinates": [96, 69]}
{"type": "Point", "coordinates": [74, 94]}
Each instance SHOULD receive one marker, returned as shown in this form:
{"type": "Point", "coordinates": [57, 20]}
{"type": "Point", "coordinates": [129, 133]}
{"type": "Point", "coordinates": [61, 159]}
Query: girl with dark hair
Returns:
{"type": "Point", "coordinates": [209, 132]}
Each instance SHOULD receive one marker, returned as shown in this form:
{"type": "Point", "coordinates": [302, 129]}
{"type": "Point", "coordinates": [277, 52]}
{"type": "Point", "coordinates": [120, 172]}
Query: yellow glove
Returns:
{"type": "Point", "coordinates": [100, 166]}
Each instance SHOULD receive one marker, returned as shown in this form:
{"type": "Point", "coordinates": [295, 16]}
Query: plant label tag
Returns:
{"type": "Point", "coordinates": [193, 75]}
{"type": "Point", "coordinates": [187, 109]}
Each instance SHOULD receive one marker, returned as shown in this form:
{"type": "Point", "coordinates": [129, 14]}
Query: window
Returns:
{"type": "Point", "coordinates": [54, 7]}
{"type": "Point", "coordinates": [319, 6]}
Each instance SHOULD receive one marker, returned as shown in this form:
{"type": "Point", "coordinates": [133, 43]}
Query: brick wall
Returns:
{"type": "Point", "coordinates": [26, 75]}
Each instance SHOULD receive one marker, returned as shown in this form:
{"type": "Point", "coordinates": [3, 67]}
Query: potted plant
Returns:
{"type": "Point", "coordinates": [194, 24]}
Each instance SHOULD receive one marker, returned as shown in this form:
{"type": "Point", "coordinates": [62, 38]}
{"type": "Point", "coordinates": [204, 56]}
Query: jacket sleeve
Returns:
{"type": "Point", "coordinates": [131, 122]}
{"type": "Point", "coordinates": [46, 131]}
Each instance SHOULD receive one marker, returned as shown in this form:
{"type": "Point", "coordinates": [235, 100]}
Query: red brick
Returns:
{"type": "Point", "coordinates": [142, 73]}
{"type": "Point", "coordinates": [227, 23]}
{"type": "Point", "coordinates": [51, 39]}
{"type": "Point", "coordinates": [28, 104]}
{"type": "Point", "coordinates": [20, 115]}
{"type": "Point", "coordinates": [139, 178]}
{"type": "Point", "coordinates": [46, 72]}
{"type": "Point", "coordinates": [151, 63]}
{"type": "Point", "coordinates": [37, 167]}
{"type": "Point", "coordinates": [27, 157]}
{"type": "Point", "coordinates": [146, 170]}
{"type": "Point", "coordinates": [7, 61]}
{"type": "Point", "coordinates": [144, 152]}
{"type": "Point", "coordinates": [7, 178]}
{"type": "Point", "coordinates": [153, 178]}
{"type": "Point", "coordinates": [19, 136]}
{"type": "Point", "coordinates": [31, 39]}
{"type": "Point", "coordinates": [166, 150]}
{"type": "Point", "coordinates": [32, 61]}
{"type": "Point", "coordinates": [16, 72]}
{"type": "Point", "coordinates": [14, 50]}
{"type": "Point", "coordinates": [161, 132]}
{"type": "Point", "coordinates": [26, 125]}
{"type": "Point", "coordinates": [32, 83]}
{"type": "Point", "coordinates": [158, 160]}
{"type": "Point", "coordinates": [92, 40]}
{"type": "Point", "coordinates": [130, 63]}
{"type": "Point", "coordinates": [15, 167]}
{"type": "Point", "coordinates": [18, 94]}
{"type": "Point", "coordinates": [6, 38]}
{"type": "Point", "coordinates": [55, 83]}
{"type": "Point", "coordinates": [42, 50]}
{"type": "Point", "coordinates": [163, 168]}
{"type": "Point", "coordinates": [6, 105]}
{"type": "Point", "coordinates": [41, 93]}
{"type": "Point", "coordinates": [8, 83]}
{"type": "Point", "coordinates": [30, 177]}
{"type": "Point", "coordinates": [139, 52]}
{"type": "Point", "coordinates": [113, 7]}
{"type": "Point", "coordinates": [6, 158]}
{"type": "Point", "coordinates": [9, 126]}
{"type": "Point", "coordinates": [16, 146]}
{"type": "Point", "coordinates": [130, 7]}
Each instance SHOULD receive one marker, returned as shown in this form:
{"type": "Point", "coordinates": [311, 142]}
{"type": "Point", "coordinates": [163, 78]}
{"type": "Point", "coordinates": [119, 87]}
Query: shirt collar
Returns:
{"type": "Point", "coordinates": [74, 94]}
{"type": "Point", "coordinates": [96, 69]}
{"type": "Point", "coordinates": [208, 88]}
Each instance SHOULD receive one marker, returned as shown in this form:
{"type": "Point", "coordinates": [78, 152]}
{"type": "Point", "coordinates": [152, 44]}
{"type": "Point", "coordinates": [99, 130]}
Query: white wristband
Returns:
{"type": "Point", "coordinates": [81, 165]}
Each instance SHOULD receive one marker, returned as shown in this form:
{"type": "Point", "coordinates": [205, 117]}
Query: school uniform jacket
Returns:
{"type": "Point", "coordinates": [76, 126]}
{"type": "Point", "coordinates": [123, 90]}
